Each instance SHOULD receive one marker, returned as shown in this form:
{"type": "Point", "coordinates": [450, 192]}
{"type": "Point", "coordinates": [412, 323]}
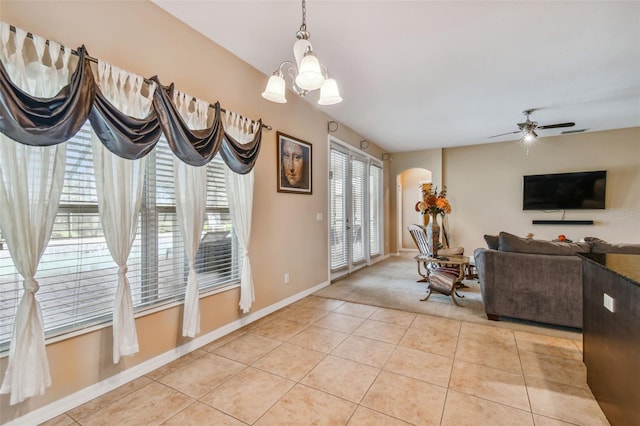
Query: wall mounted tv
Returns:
{"type": "Point", "coordinates": [564, 191]}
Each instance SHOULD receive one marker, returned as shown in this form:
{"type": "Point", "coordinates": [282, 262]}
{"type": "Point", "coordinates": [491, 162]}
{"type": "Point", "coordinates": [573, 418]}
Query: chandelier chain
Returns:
{"type": "Point", "coordinates": [303, 27]}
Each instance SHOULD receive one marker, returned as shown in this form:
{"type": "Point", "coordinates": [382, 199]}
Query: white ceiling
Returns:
{"type": "Point", "coordinates": [426, 74]}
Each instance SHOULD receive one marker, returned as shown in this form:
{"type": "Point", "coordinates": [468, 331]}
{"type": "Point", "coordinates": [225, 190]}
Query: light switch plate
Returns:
{"type": "Point", "coordinates": [319, 217]}
{"type": "Point", "coordinates": [608, 302]}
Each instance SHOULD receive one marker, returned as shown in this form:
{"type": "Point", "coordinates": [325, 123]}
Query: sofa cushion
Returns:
{"type": "Point", "coordinates": [492, 241]}
{"type": "Point", "coordinates": [601, 246]}
{"type": "Point", "coordinates": [513, 243]}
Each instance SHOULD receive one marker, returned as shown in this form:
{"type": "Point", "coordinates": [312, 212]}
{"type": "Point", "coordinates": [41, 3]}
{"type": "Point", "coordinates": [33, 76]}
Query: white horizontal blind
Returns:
{"type": "Point", "coordinates": [77, 276]}
{"type": "Point", "coordinates": [375, 196]}
{"type": "Point", "coordinates": [358, 194]}
{"type": "Point", "coordinates": [355, 207]}
{"type": "Point", "coordinates": [216, 261]}
{"type": "Point", "coordinates": [337, 228]}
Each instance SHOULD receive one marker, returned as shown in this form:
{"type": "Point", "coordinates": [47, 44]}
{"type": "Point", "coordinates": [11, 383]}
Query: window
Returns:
{"type": "Point", "coordinates": [77, 276]}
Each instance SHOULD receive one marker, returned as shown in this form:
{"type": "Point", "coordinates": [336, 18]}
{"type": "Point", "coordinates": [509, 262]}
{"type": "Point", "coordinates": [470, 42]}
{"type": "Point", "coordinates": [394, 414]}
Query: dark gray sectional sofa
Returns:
{"type": "Point", "coordinates": [536, 280]}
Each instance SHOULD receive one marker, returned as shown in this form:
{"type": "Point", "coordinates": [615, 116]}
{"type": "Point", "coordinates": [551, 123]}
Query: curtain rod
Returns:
{"type": "Point", "coordinates": [146, 80]}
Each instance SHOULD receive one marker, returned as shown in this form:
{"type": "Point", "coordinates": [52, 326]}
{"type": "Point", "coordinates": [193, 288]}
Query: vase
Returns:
{"type": "Point", "coordinates": [433, 234]}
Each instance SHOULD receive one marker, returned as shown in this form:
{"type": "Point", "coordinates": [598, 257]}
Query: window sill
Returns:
{"type": "Point", "coordinates": [152, 310]}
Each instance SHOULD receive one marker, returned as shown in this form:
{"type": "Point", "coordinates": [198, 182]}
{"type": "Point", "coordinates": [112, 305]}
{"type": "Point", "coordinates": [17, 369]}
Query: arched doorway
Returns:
{"type": "Point", "coordinates": [408, 193]}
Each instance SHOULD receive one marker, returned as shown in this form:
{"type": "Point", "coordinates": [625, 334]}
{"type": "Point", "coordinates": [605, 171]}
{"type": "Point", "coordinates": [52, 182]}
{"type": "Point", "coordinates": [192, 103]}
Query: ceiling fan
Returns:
{"type": "Point", "coordinates": [528, 128]}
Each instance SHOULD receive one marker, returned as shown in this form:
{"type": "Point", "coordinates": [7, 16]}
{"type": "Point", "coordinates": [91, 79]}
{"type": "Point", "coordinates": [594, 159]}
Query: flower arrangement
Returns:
{"type": "Point", "coordinates": [433, 201]}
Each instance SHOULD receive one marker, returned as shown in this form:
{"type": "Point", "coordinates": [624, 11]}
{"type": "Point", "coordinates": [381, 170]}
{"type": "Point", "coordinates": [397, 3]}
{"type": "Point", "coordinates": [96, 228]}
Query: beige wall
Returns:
{"type": "Point", "coordinates": [142, 38]}
{"type": "Point", "coordinates": [431, 160]}
{"type": "Point", "coordinates": [411, 194]}
{"type": "Point", "coordinates": [484, 184]}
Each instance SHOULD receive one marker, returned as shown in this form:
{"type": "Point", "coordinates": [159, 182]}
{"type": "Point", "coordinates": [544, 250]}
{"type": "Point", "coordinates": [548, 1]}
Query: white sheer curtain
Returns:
{"type": "Point", "coordinates": [31, 180]}
{"type": "Point", "coordinates": [119, 189]}
{"type": "Point", "coordinates": [191, 204]}
{"type": "Point", "coordinates": [240, 195]}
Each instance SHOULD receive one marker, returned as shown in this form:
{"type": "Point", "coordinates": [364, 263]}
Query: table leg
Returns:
{"type": "Point", "coordinates": [424, 275]}
{"type": "Point", "coordinates": [426, 296]}
{"type": "Point", "coordinates": [454, 293]}
{"type": "Point", "coordinates": [459, 283]}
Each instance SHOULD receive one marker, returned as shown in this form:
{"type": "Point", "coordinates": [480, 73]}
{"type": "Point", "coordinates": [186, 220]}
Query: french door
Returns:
{"type": "Point", "coordinates": [355, 182]}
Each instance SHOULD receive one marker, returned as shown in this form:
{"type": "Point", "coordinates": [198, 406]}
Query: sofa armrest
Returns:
{"type": "Point", "coordinates": [484, 266]}
{"type": "Point", "coordinates": [538, 287]}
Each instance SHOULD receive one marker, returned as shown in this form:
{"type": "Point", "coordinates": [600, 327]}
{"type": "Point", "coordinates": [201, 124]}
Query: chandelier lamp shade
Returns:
{"type": "Point", "coordinates": [307, 73]}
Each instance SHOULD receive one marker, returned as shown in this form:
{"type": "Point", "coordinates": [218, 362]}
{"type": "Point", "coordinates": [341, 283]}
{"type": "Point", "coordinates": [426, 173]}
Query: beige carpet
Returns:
{"type": "Point", "coordinates": [391, 283]}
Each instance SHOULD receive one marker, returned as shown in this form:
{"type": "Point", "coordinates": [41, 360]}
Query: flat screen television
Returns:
{"type": "Point", "coordinates": [564, 191]}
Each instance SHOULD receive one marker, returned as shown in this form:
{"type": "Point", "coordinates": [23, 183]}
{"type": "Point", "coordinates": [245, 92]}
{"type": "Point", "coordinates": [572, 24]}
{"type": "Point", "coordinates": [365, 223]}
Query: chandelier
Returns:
{"type": "Point", "coordinates": [307, 73]}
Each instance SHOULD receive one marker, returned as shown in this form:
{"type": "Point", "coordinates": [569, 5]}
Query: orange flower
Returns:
{"type": "Point", "coordinates": [433, 201]}
{"type": "Point", "coordinates": [443, 204]}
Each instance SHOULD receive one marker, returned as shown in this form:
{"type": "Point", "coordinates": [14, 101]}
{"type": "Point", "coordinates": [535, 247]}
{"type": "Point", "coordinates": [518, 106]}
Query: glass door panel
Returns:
{"type": "Point", "coordinates": [338, 237]}
{"type": "Point", "coordinates": [355, 192]}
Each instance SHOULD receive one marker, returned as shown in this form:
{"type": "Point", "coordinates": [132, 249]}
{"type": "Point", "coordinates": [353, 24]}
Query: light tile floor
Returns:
{"type": "Point", "coordinates": [328, 362]}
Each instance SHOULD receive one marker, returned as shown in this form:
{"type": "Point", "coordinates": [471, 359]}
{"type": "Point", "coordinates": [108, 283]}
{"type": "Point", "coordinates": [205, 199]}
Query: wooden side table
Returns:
{"type": "Point", "coordinates": [444, 283]}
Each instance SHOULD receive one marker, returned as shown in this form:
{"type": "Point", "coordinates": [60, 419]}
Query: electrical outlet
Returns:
{"type": "Point", "coordinates": [608, 302]}
{"type": "Point", "coordinates": [286, 278]}
{"type": "Point", "coordinates": [319, 217]}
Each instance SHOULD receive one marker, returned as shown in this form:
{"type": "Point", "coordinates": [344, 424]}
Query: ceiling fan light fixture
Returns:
{"type": "Point", "coordinates": [306, 73]}
{"type": "Point", "coordinates": [527, 129]}
{"type": "Point", "coordinates": [529, 136]}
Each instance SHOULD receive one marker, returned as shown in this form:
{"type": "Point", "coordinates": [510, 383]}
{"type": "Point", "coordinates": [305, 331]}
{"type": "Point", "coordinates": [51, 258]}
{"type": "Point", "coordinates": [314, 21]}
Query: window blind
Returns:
{"type": "Point", "coordinates": [77, 276]}
{"type": "Point", "coordinates": [358, 194]}
{"type": "Point", "coordinates": [375, 191]}
{"type": "Point", "coordinates": [337, 229]}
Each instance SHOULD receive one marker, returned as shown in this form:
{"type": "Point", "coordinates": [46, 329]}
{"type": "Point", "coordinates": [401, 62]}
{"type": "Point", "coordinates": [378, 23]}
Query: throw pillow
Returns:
{"type": "Point", "coordinates": [601, 246]}
{"type": "Point", "coordinates": [492, 241]}
{"type": "Point", "coordinates": [513, 243]}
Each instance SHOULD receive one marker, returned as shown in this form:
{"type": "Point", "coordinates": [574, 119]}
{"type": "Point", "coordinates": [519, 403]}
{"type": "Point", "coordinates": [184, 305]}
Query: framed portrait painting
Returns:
{"type": "Point", "coordinates": [294, 165]}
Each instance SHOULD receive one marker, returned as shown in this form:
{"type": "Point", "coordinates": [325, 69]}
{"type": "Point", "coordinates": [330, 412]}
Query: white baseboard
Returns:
{"type": "Point", "coordinates": [378, 259]}
{"type": "Point", "coordinates": [80, 397]}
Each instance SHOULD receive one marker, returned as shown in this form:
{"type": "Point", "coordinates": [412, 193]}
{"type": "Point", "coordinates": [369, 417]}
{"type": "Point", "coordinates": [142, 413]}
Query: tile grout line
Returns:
{"type": "Point", "coordinates": [455, 354]}
{"type": "Point", "coordinates": [296, 382]}
{"type": "Point", "coordinates": [79, 419]}
{"type": "Point", "coordinates": [382, 368]}
{"type": "Point", "coordinates": [307, 325]}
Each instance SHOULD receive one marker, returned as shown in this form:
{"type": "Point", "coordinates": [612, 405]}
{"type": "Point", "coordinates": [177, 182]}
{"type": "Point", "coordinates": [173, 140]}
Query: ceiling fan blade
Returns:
{"type": "Point", "coordinates": [556, 126]}
{"type": "Point", "coordinates": [503, 134]}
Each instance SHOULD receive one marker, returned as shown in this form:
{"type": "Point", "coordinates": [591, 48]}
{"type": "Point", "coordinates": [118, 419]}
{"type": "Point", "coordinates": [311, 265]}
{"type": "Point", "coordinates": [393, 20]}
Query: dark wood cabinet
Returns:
{"type": "Point", "coordinates": [612, 339]}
